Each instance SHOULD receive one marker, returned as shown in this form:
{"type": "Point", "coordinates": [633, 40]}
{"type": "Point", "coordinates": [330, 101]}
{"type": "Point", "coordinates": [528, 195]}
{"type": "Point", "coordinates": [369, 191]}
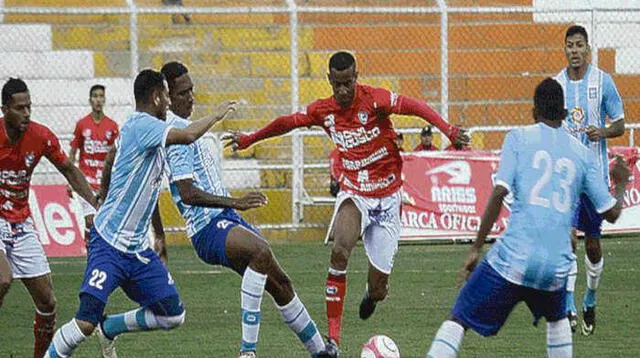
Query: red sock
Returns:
{"type": "Point", "coordinates": [43, 328]}
{"type": "Point", "coordinates": [336, 289]}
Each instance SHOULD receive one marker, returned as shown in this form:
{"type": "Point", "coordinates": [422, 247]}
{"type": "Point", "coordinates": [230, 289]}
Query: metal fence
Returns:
{"type": "Point", "coordinates": [476, 65]}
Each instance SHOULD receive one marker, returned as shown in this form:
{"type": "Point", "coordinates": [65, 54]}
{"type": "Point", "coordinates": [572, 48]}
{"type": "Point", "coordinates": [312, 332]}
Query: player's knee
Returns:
{"type": "Point", "coordinates": [340, 253]}
{"type": "Point", "coordinates": [262, 256]}
{"type": "Point", "coordinates": [46, 303]}
{"type": "Point", "coordinates": [170, 322]}
{"type": "Point", "coordinates": [594, 253]}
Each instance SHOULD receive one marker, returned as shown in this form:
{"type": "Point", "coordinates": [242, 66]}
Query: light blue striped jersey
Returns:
{"type": "Point", "coordinates": [589, 102]}
{"type": "Point", "coordinates": [136, 177]}
{"type": "Point", "coordinates": [197, 161]}
{"type": "Point", "coordinates": [546, 169]}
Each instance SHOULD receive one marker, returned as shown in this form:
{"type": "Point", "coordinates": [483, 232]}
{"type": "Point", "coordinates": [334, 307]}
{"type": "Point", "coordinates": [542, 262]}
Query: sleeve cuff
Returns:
{"type": "Point", "coordinates": [181, 177]}
{"type": "Point", "coordinates": [503, 184]}
{"type": "Point", "coordinates": [165, 135]}
{"type": "Point", "coordinates": [607, 207]}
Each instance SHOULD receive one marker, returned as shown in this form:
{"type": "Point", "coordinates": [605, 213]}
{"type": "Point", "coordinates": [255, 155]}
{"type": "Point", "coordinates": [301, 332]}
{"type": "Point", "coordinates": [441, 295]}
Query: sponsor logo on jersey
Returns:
{"type": "Point", "coordinates": [86, 133]}
{"type": "Point", "coordinates": [363, 117]}
{"type": "Point", "coordinates": [108, 134]}
{"type": "Point", "coordinates": [577, 115]}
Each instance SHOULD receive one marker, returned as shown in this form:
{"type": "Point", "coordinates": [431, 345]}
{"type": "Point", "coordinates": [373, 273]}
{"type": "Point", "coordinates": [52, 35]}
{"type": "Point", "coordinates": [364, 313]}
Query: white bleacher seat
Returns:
{"type": "Point", "coordinates": [47, 64]}
{"type": "Point", "coordinates": [25, 37]}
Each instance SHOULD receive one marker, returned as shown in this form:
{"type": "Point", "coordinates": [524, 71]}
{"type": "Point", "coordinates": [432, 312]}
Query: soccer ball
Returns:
{"type": "Point", "coordinates": [380, 347]}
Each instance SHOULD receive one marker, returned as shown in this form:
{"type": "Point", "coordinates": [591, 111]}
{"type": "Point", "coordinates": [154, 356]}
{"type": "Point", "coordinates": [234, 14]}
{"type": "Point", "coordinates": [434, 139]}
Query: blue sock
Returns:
{"type": "Point", "coordinates": [589, 298]}
{"type": "Point", "coordinates": [571, 304]}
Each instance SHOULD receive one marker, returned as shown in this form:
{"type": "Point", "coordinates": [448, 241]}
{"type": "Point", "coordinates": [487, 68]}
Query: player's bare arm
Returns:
{"type": "Point", "coordinates": [491, 213]}
{"type": "Point", "coordinates": [615, 129]}
{"type": "Point", "coordinates": [198, 128]}
{"type": "Point", "coordinates": [159, 242]}
{"type": "Point", "coordinates": [106, 175]}
{"type": "Point", "coordinates": [191, 195]}
{"type": "Point", "coordinates": [620, 175]}
{"type": "Point", "coordinates": [280, 126]}
{"type": "Point", "coordinates": [77, 181]}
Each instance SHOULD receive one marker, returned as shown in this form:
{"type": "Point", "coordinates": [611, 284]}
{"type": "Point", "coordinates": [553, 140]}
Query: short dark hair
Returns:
{"type": "Point", "coordinates": [426, 131]}
{"type": "Point", "coordinates": [146, 82]}
{"type": "Point", "coordinates": [173, 70]}
{"type": "Point", "coordinates": [96, 87]}
{"type": "Point", "coordinates": [577, 29]}
{"type": "Point", "coordinates": [549, 100]}
{"type": "Point", "coordinates": [341, 61]}
{"type": "Point", "coordinates": [11, 87]}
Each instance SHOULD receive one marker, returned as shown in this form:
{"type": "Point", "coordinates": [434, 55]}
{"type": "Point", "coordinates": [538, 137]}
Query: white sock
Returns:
{"type": "Point", "coordinates": [447, 341]}
{"type": "Point", "coordinates": [251, 292]}
{"type": "Point", "coordinates": [593, 272]}
{"type": "Point", "coordinates": [573, 274]}
{"type": "Point", "coordinates": [65, 340]}
{"type": "Point", "coordinates": [559, 339]}
{"type": "Point", "coordinates": [295, 315]}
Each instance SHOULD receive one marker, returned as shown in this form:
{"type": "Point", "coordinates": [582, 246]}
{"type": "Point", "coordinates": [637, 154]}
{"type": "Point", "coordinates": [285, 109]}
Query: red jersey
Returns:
{"type": "Point", "coordinates": [16, 166]}
{"type": "Point", "coordinates": [363, 134]}
{"type": "Point", "coordinates": [420, 147]}
{"type": "Point", "coordinates": [94, 141]}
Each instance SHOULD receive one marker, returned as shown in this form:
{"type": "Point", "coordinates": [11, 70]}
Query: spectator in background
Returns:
{"type": "Point", "coordinates": [400, 141]}
{"type": "Point", "coordinates": [93, 136]}
{"type": "Point", "coordinates": [174, 17]}
{"type": "Point", "coordinates": [426, 140]}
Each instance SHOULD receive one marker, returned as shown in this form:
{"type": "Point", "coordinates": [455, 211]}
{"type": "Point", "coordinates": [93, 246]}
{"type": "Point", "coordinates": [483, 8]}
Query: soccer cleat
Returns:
{"type": "Point", "coordinates": [573, 321]}
{"type": "Point", "coordinates": [330, 350]}
{"type": "Point", "coordinates": [107, 345]}
{"type": "Point", "coordinates": [367, 307]}
{"type": "Point", "coordinates": [248, 354]}
{"type": "Point", "coordinates": [588, 320]}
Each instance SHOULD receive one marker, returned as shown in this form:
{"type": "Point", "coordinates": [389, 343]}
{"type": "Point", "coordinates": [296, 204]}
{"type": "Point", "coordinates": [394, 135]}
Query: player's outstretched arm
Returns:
{"type": "Point", "coordinates": [198, 128]}
{"type": "Point", "coordinates": [159, 242]}
{"type": "Point", "coordinates": [491, 212]}
{"type": "Point", "coordinates": [76, 180]}
{"type": "Point", "coordinates": [410, 106]}
{"type": "Point", "coordinates": [191, 195]}
{"type": "Point", "coordinates": [280, 126]}
{"type": "Point", "coordinates": [106, 175]}
{"type": "Point", "coordinates": [615, 129]}
{"type": "Point", "coordinates": [620, 177]}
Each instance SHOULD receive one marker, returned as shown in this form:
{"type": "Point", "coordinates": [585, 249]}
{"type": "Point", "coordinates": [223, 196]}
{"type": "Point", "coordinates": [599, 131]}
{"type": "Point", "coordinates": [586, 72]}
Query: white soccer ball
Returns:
{"type": "Point", "coordinates": [380, 347]}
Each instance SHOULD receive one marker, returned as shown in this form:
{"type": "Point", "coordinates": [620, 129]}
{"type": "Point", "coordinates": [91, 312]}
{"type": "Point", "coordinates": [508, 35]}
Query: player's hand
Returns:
{"type": "Point", "coordinates": [469, 265]}
{"type": "Point", "coordinates": [160, 247]}
{"type": "Point", "coordinates": [236, 140]}
{"type": "Point", "coordinates": [461, 139]}
{"type": "Point", "coordinates": [250, 201]}
{"type": "Point", "coordinates": [225, 108]}
{"type": "Point", "coordinates": [595, 134]}
{"type": "Point", "coordinates": [620, 173]}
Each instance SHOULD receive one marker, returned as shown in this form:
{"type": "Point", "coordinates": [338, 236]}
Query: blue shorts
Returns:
{"type": "Point", "coordinates": [210, 242]}
{"type": "Point", "coordinates": [587, 219]}
{"type": "Point", "coordinates": [108, 268]}
{"type": "Point", "coordinates": [486, 300]}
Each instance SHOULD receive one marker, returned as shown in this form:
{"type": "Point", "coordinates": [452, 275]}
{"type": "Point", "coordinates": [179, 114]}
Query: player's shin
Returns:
{"type": "Point", "coordinates": [336, 289]}
{"type": "Point", "coordinates": [571, 286]}
{"type": "Point", "coordinates": [140, 319]}
{"type": "Point", "coordinates": [295, 315]}
{"type": "Point", "coordinates": [252, 290]}
{"type": "Point", "coordinates": [593, 271]}
{"type": "Point", "coordinates": [447, 341]}
{"type": "Point", "coordinates": [44, 327]}
{"type": "Point", "coordinates": [559, 341]}
{"type": "Point", "coordinates": [65, 340]}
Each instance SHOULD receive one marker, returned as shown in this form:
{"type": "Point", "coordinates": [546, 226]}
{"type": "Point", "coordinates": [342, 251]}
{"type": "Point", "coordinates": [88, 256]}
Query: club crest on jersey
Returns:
{"type": "Point", "coordinates": [330, 120]}
{"type": "Point", "coordinates": [108, 134]}
{"type": "Point", "coordinates": [86, 133]}
{"type": "Point", "coordinates": [593, 92]}
{"type": "Point", "coordinates": [363, 117]}
{"type": "Point", "coordinates": [29, 158]}
{"type": "Point", "coordinates": [577, 115]}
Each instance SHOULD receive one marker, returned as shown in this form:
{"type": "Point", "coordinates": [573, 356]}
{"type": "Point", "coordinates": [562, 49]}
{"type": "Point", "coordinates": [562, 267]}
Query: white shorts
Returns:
{"type": "Point", "coordinates": [19, 241]}
{"type": "Point", "coordinates": [379, 226]}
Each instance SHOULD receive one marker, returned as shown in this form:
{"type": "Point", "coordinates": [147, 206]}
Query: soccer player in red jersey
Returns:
{"type": "Point", "coordinates": [356, 118]}
{"type": "Point", "coordinates": [93, 137]}
{"type": "Point", "coordinates": [22, 144]}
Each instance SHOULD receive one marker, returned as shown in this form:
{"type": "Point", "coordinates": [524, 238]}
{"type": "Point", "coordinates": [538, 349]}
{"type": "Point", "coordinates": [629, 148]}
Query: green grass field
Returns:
{"type": "Point", "coordinates": [421, 293]}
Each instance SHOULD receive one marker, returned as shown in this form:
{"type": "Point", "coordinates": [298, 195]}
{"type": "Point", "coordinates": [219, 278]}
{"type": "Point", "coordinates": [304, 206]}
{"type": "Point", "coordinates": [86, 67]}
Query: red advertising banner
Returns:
{"type": "Point", "coordinates": [58, 219]}
{"type": "Point", "coordinates": [445, 193]}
